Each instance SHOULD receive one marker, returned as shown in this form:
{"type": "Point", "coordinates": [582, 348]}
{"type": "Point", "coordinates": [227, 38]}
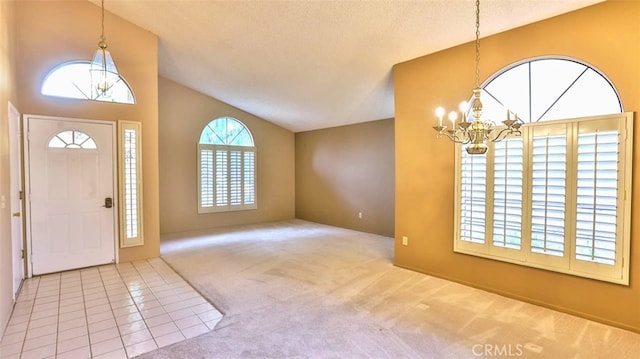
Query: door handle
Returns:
{"type": "Point", "coordinates": [108, 202]}
{"type": "Point", "coordinates": [16, 214]}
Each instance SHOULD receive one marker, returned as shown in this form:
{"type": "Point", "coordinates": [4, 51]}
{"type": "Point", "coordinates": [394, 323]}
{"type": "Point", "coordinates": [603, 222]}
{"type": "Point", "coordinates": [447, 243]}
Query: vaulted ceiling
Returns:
{"type": "Point", "coordinates": [310, 64]}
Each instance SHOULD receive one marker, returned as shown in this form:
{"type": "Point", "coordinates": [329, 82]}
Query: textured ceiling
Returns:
{"type": "Point", "coordinates": [307, 65]}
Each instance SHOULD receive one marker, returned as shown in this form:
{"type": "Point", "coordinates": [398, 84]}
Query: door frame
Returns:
{"type": "Point", "coordinates": [17, 199]}
{"type": "Point", "coordinates": [27, 177]}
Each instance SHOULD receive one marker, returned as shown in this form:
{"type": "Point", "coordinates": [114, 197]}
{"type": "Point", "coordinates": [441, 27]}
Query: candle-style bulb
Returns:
{"type": "Point", "coordinates": [440, 113]}
{"type": "Point", "coordinates": [464, 106]}
{"type": "Point", "coordinates": [453, 116]}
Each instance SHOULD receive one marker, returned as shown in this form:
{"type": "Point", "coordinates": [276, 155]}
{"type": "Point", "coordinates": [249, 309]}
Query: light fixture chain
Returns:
{"type": "Point", "coordinates": [102, 33]}
{"type": "Point", "coordinates": [475, 134]}
{"type": "Point", "coordinates": [477, 43]}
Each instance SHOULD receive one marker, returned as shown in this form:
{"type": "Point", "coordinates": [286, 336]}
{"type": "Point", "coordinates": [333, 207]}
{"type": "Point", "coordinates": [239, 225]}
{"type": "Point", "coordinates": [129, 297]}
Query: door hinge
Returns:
{"type": "Point", "coordinates": [21, 195]}
{"type": "Point", "coordinates": [22, 253]}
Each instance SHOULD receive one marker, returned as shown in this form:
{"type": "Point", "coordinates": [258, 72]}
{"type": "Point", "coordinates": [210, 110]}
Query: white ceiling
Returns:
{"type": "Point", "coordinates": [308, 64]}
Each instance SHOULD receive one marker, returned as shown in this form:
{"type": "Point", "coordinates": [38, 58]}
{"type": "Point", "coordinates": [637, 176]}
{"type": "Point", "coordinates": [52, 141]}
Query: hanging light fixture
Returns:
{"type": "Point", "coordinates": [104, 73]}
{"type": "Point", "coordinates": [476, 133]}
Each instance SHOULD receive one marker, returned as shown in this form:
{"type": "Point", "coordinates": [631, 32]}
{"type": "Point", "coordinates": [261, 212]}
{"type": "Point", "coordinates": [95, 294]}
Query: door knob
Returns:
{"type": "Point", "coordinates": [108, 202]}
{"type": "Point", "coordinates": [16, 214]}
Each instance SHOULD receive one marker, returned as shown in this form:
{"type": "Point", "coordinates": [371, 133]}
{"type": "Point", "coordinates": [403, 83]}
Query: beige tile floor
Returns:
{"type": "Point", "coordinates": [110, 311]}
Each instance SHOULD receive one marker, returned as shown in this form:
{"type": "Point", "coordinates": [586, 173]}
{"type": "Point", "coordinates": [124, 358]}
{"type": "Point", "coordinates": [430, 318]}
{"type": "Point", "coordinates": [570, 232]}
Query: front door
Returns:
{"type": "Point", "coordinates": [71, 195]}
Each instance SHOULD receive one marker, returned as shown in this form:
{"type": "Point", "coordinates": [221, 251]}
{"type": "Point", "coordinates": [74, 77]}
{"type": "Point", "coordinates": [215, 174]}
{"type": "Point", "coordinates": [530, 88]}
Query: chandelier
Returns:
{"type": "Point", "coordinates": [476, 133]}
{"type": "Point", "coordinates": [104, 73]}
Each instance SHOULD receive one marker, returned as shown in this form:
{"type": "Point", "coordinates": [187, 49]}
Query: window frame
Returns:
{"type": "Point", "coordinates": [568, 264]}
{"type": "Point", "coordinates": [250, 203]}
{"type": "Point", "coordinates": [130, 204]}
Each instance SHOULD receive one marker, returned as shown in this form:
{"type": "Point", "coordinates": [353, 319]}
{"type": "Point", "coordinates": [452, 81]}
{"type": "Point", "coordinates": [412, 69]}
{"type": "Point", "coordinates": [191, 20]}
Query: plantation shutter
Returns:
{"type": "Point", "coordinates": [473, 192]}
{"type": "Point", "coordinates": [507, 193]}
{"type": "Point", "coordinates": [206, 178]}
{"type": "Point", "coordinates": [548, 191]}
{"type": "Point", "coordinates": [130, 183]}
{"type": "Point", "coordinates": [235, 174]}
{"type": "Point", "coordinates": [222, 178]}
{"type": "Point", "coordinates": [597, 196]}
{"type": "Point", "coordinates": [249, 177]}
{"type": "Point", "coordinates": [130, 174]}
{"type": "Point", "coordinates": [226, 179]}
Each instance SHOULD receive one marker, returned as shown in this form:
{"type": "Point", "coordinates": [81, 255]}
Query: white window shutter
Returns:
{"type": "Point", "coordinates": [548, 194]}
{"type": "Point", "coordinates": [222, 178]}
{"type": "Point", "coordinates": [597, 183]}
{"type": "Point", "coordinates": [507, 193]}
{"type": "Point", "coordinates": [473, 188]}
{"type": "Point", "coordinates": [249, 177]}
{"type": "Point", "coordinates": [206, 178]}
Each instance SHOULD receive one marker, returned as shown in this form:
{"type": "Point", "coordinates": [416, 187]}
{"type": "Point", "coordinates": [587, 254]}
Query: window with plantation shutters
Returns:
{"type": "Point", "coordinates": [558, 197]}
{"type": "Point", "coordinates": [226, 167]}
{"type": "Point", "coordinates": [130, 183]}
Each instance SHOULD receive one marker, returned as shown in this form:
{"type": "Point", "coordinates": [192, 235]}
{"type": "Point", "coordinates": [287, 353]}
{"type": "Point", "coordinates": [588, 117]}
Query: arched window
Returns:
{"type": "Point", "coordinates": [72, 139]}
{"type": "Point", "coordinates": [558, 196]}
{"type": "Point", "coordinates": [226, 167]}
{"type": "Point", "coordinates": [543, 89]}
{"type": "Point", "coordinates": [73, 80]}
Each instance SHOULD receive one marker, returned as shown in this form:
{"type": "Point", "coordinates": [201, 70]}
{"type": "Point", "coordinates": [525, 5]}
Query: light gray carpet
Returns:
{"type": "Point", "coordinates": [297, 289]}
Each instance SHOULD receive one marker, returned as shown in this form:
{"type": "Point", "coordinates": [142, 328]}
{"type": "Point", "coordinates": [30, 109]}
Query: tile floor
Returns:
{"type": "Point", "coordinates": [110, 311]}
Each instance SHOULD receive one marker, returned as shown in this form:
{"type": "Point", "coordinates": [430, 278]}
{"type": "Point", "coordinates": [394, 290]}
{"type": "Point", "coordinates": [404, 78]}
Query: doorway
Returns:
{"type": "Point", "coordinates": [69, 178]}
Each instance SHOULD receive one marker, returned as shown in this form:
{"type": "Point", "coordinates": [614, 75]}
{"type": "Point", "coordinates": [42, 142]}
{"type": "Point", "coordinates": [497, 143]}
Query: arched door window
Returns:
{"type": "Point", "coordinates": [226, 167]}
{"type": "Point", "coordinates": [72, 139]}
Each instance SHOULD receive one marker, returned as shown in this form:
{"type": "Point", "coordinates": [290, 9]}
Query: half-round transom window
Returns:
{"type": "Point", "coordinates": [226, 131]}
{"type": "Point", "coordinates": [72, 139]}
{"type": "Point", "coordinates": [543, 89]}
{"type": "Point", "coordinates": [73, 80]}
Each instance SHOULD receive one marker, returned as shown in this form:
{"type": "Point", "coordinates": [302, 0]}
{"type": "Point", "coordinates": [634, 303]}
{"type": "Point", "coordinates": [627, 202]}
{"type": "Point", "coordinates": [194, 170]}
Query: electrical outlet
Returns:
{"type": "Point", "coordinates": [405, 240]}
{"type": "Point", "coordinates": [359, 215]}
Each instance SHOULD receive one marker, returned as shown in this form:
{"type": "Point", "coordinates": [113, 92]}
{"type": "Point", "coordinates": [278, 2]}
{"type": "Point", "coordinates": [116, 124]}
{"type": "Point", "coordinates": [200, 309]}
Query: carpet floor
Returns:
{"type": "Point", "coordinates": [296, 289]}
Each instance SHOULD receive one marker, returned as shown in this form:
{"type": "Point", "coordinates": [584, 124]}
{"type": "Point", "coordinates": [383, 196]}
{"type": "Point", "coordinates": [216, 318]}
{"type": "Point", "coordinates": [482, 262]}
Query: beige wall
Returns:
{"type": "Point", "coordinates": [345, 170]}
{"type": "Point", "coordinates": [606, 36]}
{"type": "Point", "coordinates": [52, 32]}
{"type": "Point", "coordinates": [183, 115]}
{"type": "Point", "coordinates": [7, 93]}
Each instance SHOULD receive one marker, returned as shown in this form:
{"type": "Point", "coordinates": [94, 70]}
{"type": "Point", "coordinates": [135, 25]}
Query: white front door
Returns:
{"type": "Point", "coordinates": [70, 184]}
{"type": "Point", "coordinates": [17, 238]}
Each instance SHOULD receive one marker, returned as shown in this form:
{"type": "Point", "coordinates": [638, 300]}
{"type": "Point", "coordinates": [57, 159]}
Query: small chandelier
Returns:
{"type": "Point", "coordinates": [104, 73]}
{"type": "Point", "coordinates": [476, 133]}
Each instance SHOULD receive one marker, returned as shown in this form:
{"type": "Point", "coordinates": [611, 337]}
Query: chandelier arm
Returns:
{"type": "Point", "coordinates": [453, 137]}
{"type": "Point", "coordinates": [451, 134]}
{"type": "Point", "coordinates": [463, 136]}
{"type": "Point", "coordinates": [502, 135]}
{"type": "Point", "coordinates": [506, 132]}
